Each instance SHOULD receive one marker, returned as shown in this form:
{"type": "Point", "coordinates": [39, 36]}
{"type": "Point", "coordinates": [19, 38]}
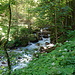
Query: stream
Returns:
{"type": "Point", "coordinates": [23, 55]}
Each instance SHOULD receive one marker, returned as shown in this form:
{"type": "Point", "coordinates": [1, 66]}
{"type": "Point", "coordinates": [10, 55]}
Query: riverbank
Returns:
{"type": "Point", "coordinates": [21, 56]}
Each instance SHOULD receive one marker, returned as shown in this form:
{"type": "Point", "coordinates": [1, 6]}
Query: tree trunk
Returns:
{"type": "Point", "coordinates": [5, 44]}
{"type": "Point", "coordinates": [17, 18]}
{"type": "Point", "coordinates": [56, 27]}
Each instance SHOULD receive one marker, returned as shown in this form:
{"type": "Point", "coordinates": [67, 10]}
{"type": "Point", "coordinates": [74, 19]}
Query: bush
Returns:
{"type": "Point", "coordinates": [21, 38]}
{"type": "Point", "coordinates": [71, 35]}
{"type": "Point", "coordinates": [59, 62]}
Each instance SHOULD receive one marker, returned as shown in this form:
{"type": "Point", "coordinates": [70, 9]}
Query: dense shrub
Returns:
{"type": "Point", "coordinates": [71, 35]}
{"type": "Point", "coordinates": [59, 62]}
{"type": "Point", "coordinates": [21, 38]}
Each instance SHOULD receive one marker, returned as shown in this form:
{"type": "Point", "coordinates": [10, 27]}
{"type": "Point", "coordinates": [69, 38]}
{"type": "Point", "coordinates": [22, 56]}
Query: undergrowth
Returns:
{"type": "Point", "coordinates": [61, 61]}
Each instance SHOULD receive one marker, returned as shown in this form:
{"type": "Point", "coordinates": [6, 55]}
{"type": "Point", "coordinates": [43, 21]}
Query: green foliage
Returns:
{"type": "Point", "coordinates": [71, 35]}
{"type": "Point", "coordinates": [3, 7]}
{"type": "Point", "coordinates": [20, 38]}
{"type": "Point", "coordinates": [59, 62]}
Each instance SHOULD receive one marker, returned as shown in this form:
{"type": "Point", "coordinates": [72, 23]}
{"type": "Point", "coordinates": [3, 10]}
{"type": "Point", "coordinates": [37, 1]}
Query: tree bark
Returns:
{"type": "Point", "coordinates": [17, 18]}
{"type": "Point", "coordinates": [5, 44]}
{"type": "Point", "coordinates": [56, 27]}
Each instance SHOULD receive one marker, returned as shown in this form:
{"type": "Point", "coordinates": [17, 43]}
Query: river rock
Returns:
{"type": "Point", "coordinates": [40, 38]}
{"type": "Point", "coordinates": [19, 58]}
{"type": "Point", "coordinates": [38, 44]}
{"type": "Point", "coordinates": [46, 43]}
{"type": "Point", "coordinates": [0, 57]}
{"type": "Point", "coordinates": [36, 55]}
{"type": "Point", "coordinates": [34, 40]}
{"type": "Point", "coordinates": [3, 63]}
{"type": "Point", "coordinates": [50, 45]}
{"type": "Point", "coordinates": [45, 36]}
{"type": "Point", "coordinates": [41, 49]}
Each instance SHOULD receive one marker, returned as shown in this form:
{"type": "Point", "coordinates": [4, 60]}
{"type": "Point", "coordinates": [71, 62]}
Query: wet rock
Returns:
{"type": "Point", "coordinates": [40, 38]}
{"type": "Point", "coordinates": [50, 46]}
{"type": "Point", "coordinates": [19, 58]}
{"type": "Point", "coordinates": [0, 57]}
{"type": "Point", "coordinates": [36, 55]}
{"type": "Point", "coordinates": [35, 40]}
{"type": "Point", "coordinates": [41, 49]}
{"type": "Point", "coordinates": [45, 36]}
{"type": "Point", "coordinates": [43, 52]}
{"type": "Point", "coordinates": [46, 43]}
{"type": "Point", "coordinates": [38, 44]}
{"type": "Point", "coordinates": [3, 62]}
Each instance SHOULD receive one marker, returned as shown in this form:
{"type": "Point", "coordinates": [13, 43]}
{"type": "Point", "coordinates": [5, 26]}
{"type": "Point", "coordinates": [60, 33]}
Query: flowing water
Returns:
{"type": "Point", "coordinates": [25, 54]}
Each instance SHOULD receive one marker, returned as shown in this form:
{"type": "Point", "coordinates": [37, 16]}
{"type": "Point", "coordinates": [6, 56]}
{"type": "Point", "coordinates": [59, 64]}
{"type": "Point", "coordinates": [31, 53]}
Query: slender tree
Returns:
{"type": "Point", "coordinates": [5, 44]}
{"type": "Point", "coordinates": [56, 33]}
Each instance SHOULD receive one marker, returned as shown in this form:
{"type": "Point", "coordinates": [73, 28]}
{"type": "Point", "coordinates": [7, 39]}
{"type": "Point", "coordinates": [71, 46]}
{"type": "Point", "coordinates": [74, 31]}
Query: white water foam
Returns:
{"type": "Point", "coordinates": [26, 58]}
